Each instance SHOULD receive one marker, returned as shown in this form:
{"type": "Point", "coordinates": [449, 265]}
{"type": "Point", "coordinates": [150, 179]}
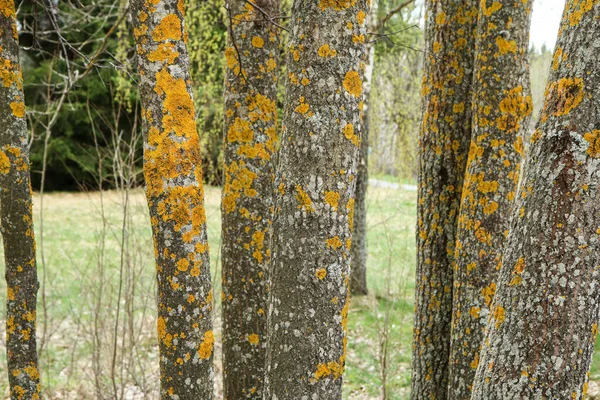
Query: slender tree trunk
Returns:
{"type": "Point", "coordinates": [250, 142]}
{"type": "Point", "coordinates": [312, 228]}
{"type": "Point", "coordinates": [358, 285]}
{"type": "Point", "coordinates": [543, 320]}
{"type": "Point", "coordinates": [443, 147]}
{"type": "Point", "coordinates": [16, 219]}
{"type": "Point", "coordinates": [172, 169]}
{"type": "Point", "coordinates": [501, 109]}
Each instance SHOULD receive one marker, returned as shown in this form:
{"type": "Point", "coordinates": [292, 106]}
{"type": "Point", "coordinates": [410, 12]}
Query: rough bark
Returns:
{"type": "Point", "coordinates": [501, 108]}
{"type": "Point", "coordinates": [543, 320]}
{"type": "Point", "coordinates": [443, 148]}
{"type": "Point", "coordinates": [172, 170]}
{"type": "Point", "coordinates": [313, 221]}
{"type": "Point", "coordinates": [251, 140]}
{"type": "Point", "coordinates": [16, 222]}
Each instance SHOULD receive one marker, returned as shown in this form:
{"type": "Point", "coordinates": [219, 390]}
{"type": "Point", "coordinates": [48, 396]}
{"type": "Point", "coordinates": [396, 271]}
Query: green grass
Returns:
{"type": "Point", "coordinates": [83, 269]}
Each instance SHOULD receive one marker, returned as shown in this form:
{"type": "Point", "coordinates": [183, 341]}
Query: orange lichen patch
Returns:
{"type": "Point", "coordinates": [18, 109]}
{"type": "Point", "coordinates": [321, 273]}
{"type": "Point", "coordinates": [352, 83]}
{"type": "Point", "coordinates": [361, 16]}
{"type": "Point", "coordinates": [349, 134]}
{"type": "Point", "coordinates": [169, 28]}
{"type": "Point", "coordinates": [490, 208]}
{"type": "Point", "coordinates": [332, 198]}
{"type": "Point", "coordinates": [475, 362]}
{"type": "Point", "coordinates": [499, 316]}
{"type": "Point", "coordinates": [520, 265]}
{"type": "Point", "coordinates": [474, 312]}
{"type": "Point", "coordinates": [566, 94]}
{"type": "Point", "coordinates": [7, 8]}
{"type": "Point", "coordinates": [331, 368]}
{"type": "Point", "coordinates": [10, 74]}
{"type": "Point", "coordinates": [238, 181]}
{"type": "Point", "coordinates": [488, 293]}
{"type": "Point", "coordinates": [258, 42]}
{"type": "Point", "coordinates": [556, 59]}
{"type": "Point", "coordinates": [161, 327]}
{"type": "Point", "coordinates": [325, 51]}
{"type": "Point", "coordinates": [304, 200]}
{"type": "Point", "coordinates": [165, 52]}
{"type": "Point", "coordinates": [505, 46]}
{"type": "Point", "coordinates": [4, 163]}
{"type": "Point", "coordinates": [350, 209]}
{"type": "Point", "coordinates": [261, 107]}
{"type": "Point", "coordinates": [458, 107]}
{"type": "Point", "coordinates": [488, 11]}
{"type": "Point", "coordinates": [334, 242]}
{"type": "Point", "coordinates": [206, 347]}
{"type": "Point", "coordinates": [183, 265]}
{"type": "Point", "coordinates": [487, 186]}
{"type": "Point", "coordinates": [358, 38]}
{"type": "Point", "coordinates": [231, 59]}
{"type": "Point", "coordinates": [240, 131]}
{"type": "Point", "coordinates": [578, 9]}
{"type": "Point", "coordinates": [253, 339]}
{"type": "Point", "coordinates": [440, 19]}
{"type": "Point", "coordinates": [514, 107]}
{"type": "Point", "coordinates": [337, 5]}
{"type": "Point", "coordinates": [593, 139]}
{"type": "Point", "coordinates": [303, 107]}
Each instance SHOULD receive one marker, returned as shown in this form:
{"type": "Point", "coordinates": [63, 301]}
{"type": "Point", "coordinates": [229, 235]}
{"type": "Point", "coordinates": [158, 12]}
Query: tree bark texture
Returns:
{"type": "Point", "coordinates": [315, 184]}
{"type": "Point", "coordinates": [443, 148]}
{"type": "Point", "coordinates": [16, 219]}
{"type": "Point", "coordinates": [358, 269]}
{"type": "Point", "coordinates": [501, 108]}
{"type": "Point", "coordinates": [251, 141]}
{"type": "Point", "coordinates": [544, 317]}
{"type": "Point", "coordinates": [172, 170]}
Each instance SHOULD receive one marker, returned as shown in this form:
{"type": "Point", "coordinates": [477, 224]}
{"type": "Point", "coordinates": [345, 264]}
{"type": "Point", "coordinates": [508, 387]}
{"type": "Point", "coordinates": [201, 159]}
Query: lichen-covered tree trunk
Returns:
{"type": "Point", "coordinates": [172, 170]}
{"type": "Point", "coordinates": [443, 148]}
{"type": "Point", "coordinates": [16, 223]}
{"type": "Point", "coordinates": [251, 140]}
{"type": "Point", "coordinates": [358, 269]}
{"type": "Point", "coordinates": [315, 183]}
{"type": "Point", "coordinates": [543, 320]}
{"type": "Point", "coordinates": [501, 107]}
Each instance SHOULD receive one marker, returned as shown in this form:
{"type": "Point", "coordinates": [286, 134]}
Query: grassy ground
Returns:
{"type": "Point", "coordinates": [97, 308]}
{"type": "Point", "coordinates": [97, 314]}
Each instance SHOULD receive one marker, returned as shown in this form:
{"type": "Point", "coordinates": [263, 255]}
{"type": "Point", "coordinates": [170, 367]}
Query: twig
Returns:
{"type": "Point", "coordinates": [389, 15]}
{"type": "Point", "coordinates": [267, 16]}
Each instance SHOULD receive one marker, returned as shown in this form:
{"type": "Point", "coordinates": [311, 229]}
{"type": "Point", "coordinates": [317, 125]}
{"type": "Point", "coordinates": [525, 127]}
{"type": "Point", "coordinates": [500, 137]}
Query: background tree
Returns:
{"type": "Point", "coordinates": [501, 108]}
{"type": "Point", "coordinates": [308, 306]}
{"type": "Point", "coordinates": [16, 219]}
{"type": "Point", "coordinates": [543, 320]}
{"type": "Point", "coordinates": [172, 170]}
{"type": "Point", "coordinates": [443, 148]}
{"type": "Point", "coordinates": [247, 203]}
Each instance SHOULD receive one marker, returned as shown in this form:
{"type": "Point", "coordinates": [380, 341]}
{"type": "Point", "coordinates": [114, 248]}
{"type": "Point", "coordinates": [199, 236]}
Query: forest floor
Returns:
{"type": "Point", "coordinates": [96, 308]}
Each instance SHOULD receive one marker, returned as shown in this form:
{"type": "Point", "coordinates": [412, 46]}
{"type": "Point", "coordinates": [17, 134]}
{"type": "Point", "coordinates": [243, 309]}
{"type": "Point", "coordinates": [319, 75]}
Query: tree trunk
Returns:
{"type": "Point", "coordinates": [172, 170]}
{"type": "Point", "coordinates": [543, 320]}
{"type": "Point", "coordinates": [443, 147]}
{"type": "Point", "coordinates": [250, 142]}
{"type": "Point", "coordinates": [358, 269]}
{"type": "Point", "coordinates": [312, 228]}
{"type": "Point", "coordinates": [16, 219]}
{"type": "Point", "coordinates": [501, 110]}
